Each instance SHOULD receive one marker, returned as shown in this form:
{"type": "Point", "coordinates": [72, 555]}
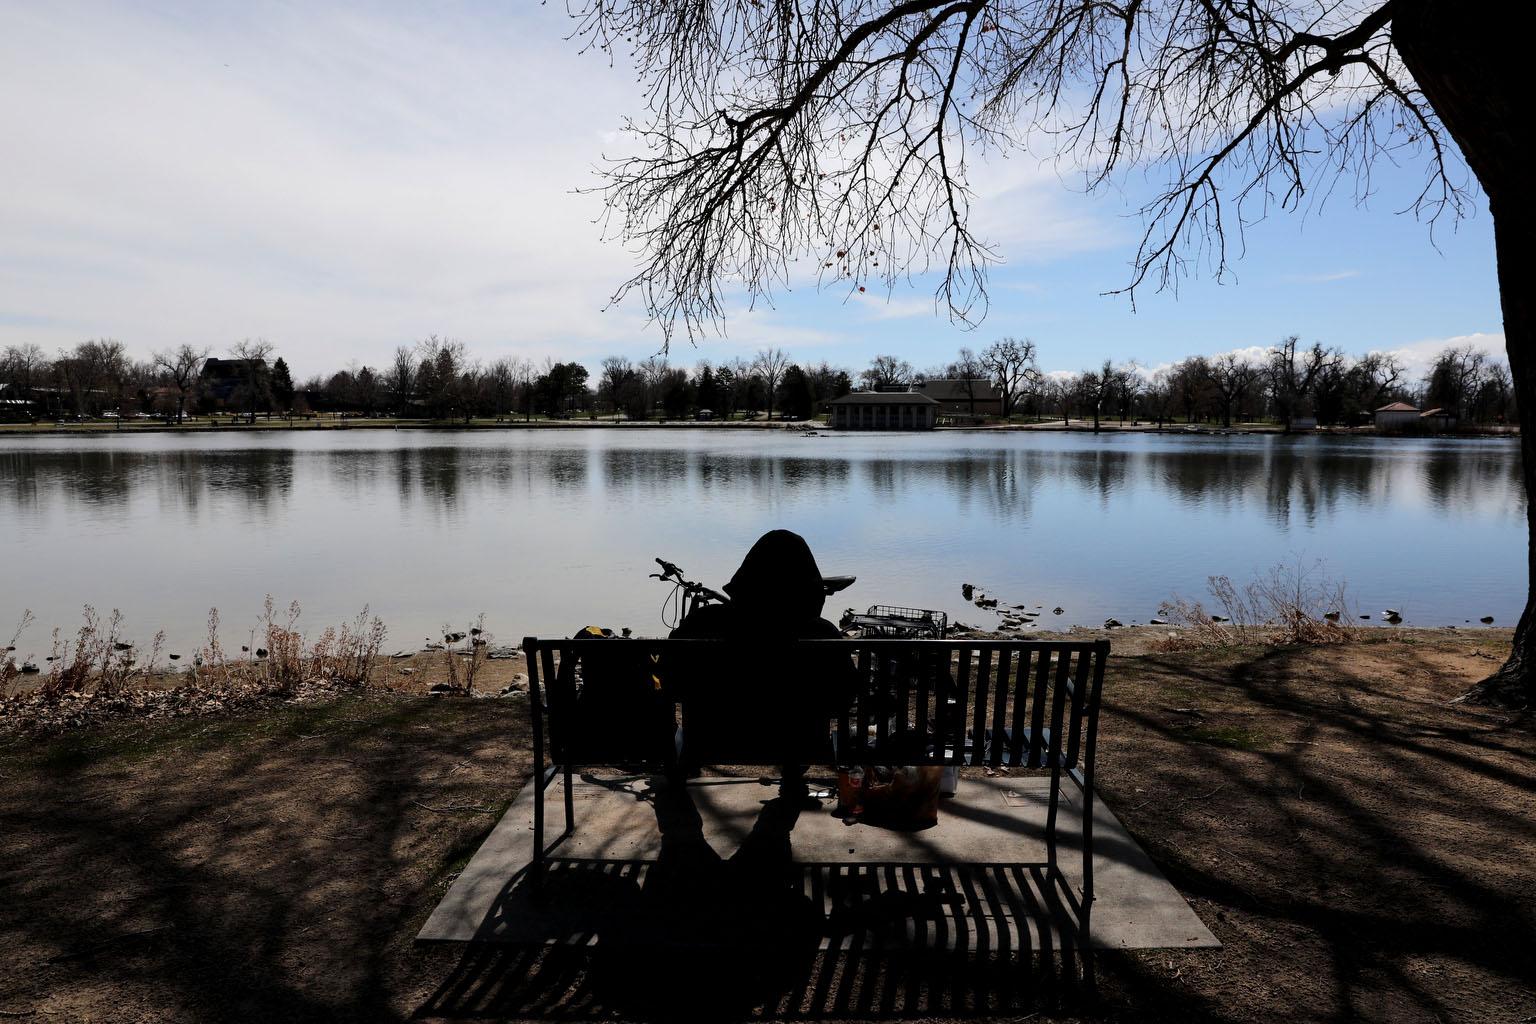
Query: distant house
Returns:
{"type": "Point", "coordinates": [16, 404]}
{"type": "Point", "coordinates": [1437, 419]}
{"type": "Point", "coordinates": [1397, 416]}
{"type": "Point", "coordinates": [962, 397]}
{"type": "Point", "coordinates": [220, 380]}
{"type": "Point", "coordinates": [879, 410]}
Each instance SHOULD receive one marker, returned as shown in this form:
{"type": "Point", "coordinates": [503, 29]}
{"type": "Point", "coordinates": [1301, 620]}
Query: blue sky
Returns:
{"type": "Point", "coordinates": [341, 179]}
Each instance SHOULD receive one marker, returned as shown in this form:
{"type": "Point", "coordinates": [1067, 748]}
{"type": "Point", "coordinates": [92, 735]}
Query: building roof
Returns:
{"type": "Point", "coordinates": [883, 398]}
{"type": "Point", "coordinates": [1447, 413]}
{"type": "Point", "coordinates": [953, 389]}
{"type": "Point", "coordinates": [1398, 407]}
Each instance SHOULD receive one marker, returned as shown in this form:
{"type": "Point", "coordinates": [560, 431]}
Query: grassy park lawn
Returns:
{"type": "Point", "coordinates": [1360, 845]}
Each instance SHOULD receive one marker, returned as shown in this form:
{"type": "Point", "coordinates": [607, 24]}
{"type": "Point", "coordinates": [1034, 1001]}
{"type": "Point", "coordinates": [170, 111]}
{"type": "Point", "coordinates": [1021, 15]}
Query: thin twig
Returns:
{"type": "Point", "coordinates": [452, 808]}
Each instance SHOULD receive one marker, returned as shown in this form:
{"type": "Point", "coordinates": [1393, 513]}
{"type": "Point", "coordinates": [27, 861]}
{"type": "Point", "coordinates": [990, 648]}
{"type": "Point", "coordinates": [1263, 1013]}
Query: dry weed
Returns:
{"type": "Point", "coordinates": [96, 676]}
{"type": "Point", "coordinates": [1289, 604]}
{"type": "Point", "coordinates": [9, 669]}
{"type": "Point", "coordinates": [464, 653]}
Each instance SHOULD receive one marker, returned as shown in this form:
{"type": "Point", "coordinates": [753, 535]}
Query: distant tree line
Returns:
{"type": "Point", "coordinates": [439, 379]}
{"type": "Point", "coordinates": [1285, 383]}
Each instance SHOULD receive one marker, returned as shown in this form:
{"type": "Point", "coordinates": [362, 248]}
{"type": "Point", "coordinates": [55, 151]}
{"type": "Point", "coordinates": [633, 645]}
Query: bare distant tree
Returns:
{"type": "Point", "coordinates": [94, 373]}
{"type": "Point", "coordinates": [1103, 386]}
{"type": "Point", "coordinates": [1158, 395]}
{"type": "Point", "coordinates": [255, 384]}
{"type": "Point", "coordinates": [1062, 389]}
{"type": "Point", "coordinates": [1455, 378]}
{"type": "Point", "coordinates": [23, 365]}
{"type": "Point", "coordinates": [180, 366]}
{"type": "Point", "coordinates": [525, 375]}
{"type": "Point", "coordinates": [1378, 374]}
{"type": "Point", "coordinates": [1011, 364]}
{"type": "Point", "coordinates": [616, 374]}
{"type": "Point", "coordinates": [400, 379]}
{"type": "Point", "coordinates": [1232, 374]}
{"type": "Point", "coordinates": [440, 375]}
{"type": "Point", "coordinates": [1292, 371]}
{"type": "Point", "coordinates": [968, 369]}
{"type": "Point", "coordinates": [652, 371]}
{"type": "Point", "coordinates": [499, 387]}
{"type": "Point", "coordinates": [769, 365]}
{"type": "Point", "coordinates": [886, 372]}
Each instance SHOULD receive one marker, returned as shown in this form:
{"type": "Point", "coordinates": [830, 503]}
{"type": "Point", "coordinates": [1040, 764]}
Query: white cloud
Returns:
{"type": "Point", "coordinates": [1418, 356]}
{"type": "Point", "coordinates": [1321, 278]}
{"type": "Point", "coordinates": [1030, 214]}
{"type": "Point", "coordinates": [895, 306]}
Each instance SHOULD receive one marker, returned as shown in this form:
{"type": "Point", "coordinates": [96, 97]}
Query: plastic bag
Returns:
{"type": "Point", "coordinates": [903, 797]}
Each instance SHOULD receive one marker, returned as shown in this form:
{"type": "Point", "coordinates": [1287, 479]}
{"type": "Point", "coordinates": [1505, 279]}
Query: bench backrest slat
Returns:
{"type": "Point", "coordinates": [954, 702]}
{"type": "Point", "coordinates": [1000, 706]}
{"type": "Point", "coordinates": [979, 706]}
{"type": "Point", "coordinates": [956, 722]}
{"type": "Point", "coordinates": [860, 739]}
{"type": "Point", "coordinates": [1079, 688]}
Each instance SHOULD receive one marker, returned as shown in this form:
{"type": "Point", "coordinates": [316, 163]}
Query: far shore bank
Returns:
{"type": "Point", "coordinates": [111, 429]}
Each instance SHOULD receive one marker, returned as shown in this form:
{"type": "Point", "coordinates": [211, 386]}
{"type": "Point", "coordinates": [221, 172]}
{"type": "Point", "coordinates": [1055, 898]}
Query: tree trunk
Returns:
{"type": "Point", "coordinates": [1476, 76]}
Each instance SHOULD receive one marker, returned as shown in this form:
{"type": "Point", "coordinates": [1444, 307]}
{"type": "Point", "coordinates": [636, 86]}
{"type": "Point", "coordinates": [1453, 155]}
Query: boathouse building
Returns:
{"type": "Point", "coordinates": [883, 410]}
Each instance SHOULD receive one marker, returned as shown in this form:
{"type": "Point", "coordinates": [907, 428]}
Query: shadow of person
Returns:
{"type": "Point", "coordinates": [713, 938]}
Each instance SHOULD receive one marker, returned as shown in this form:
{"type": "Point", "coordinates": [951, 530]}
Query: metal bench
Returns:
{"type": "Point", "coordinates": [999, 703]}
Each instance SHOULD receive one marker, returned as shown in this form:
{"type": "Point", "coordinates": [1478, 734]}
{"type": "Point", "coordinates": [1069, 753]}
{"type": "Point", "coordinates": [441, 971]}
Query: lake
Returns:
{"type": "Point", "coordinates": [547, 530]}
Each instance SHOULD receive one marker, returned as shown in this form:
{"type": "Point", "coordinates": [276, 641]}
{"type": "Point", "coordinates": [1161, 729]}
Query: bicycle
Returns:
{"type": "Point", "coordinates": [687, 595]}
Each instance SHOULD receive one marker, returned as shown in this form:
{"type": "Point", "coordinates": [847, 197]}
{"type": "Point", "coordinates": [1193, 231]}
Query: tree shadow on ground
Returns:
{"type": "Point", "coordinates": [1366, 846]}
{"type": "Point", "coordinates": [1362, 850]}
{"type": "Point", "coordinates": [198, 871]}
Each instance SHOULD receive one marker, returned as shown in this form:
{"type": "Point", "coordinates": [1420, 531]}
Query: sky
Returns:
{"type": "Point", "coordinates": [340, 179]}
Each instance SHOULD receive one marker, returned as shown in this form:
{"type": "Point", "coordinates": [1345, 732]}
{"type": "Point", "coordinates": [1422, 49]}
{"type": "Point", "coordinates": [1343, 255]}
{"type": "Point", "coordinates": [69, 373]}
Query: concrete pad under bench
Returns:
{"type": "Point", "coordinates": [969, 882]}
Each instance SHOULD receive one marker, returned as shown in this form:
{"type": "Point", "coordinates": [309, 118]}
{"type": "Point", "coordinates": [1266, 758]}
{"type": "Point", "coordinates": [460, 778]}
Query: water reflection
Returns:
{"type": "Point", "coordinates": [340, 521]}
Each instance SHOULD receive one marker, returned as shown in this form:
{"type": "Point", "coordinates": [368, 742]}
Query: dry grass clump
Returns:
{"type": "Point", "coordinates": [98, 675]}
{"type": "Point", "coordinates": [278, 659]}
{"type": "Point", "coordinates": [464, 652]}
{"type": "Point", "coordinates": [1289, 604]}
{"type": "Point", "coordinates": [98, 659]}
{"type": "Point", "coordinates": [9, 669]}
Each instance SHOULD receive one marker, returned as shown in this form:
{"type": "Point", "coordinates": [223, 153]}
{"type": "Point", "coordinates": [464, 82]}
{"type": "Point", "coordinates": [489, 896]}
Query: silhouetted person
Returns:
{"type": "Point", "coordinates": [763, 703]}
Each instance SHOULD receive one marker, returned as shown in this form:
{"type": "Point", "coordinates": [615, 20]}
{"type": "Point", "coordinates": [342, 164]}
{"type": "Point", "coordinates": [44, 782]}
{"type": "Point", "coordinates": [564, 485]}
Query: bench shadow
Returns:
{"type": "Point", "coordinates": [692, 935]}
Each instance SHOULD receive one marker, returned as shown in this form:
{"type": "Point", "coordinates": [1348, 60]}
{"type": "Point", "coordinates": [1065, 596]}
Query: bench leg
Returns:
{"type": "Point", "coordinates": [536, 865]}
{"type": "Point", "coordinates": [1050, 817]}
{"type": "Point", "coordinates": [570, 803]}
{"type": "Point", "coordinates": [1085, 915]}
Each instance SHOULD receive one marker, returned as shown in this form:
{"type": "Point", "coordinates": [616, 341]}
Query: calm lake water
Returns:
{"type": "Point", "coordinates": [545, 531]}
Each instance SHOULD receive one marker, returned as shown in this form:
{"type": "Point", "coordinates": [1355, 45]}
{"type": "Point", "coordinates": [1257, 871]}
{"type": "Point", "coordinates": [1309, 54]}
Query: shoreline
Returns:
{"type": "Point", "coordinates": [502, 670]}
{"type": "Point", "coordinates": [8, 430]}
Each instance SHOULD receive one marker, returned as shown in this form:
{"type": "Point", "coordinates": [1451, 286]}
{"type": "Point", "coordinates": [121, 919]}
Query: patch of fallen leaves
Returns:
{"type": "Point", "coordinates": [42, 715]}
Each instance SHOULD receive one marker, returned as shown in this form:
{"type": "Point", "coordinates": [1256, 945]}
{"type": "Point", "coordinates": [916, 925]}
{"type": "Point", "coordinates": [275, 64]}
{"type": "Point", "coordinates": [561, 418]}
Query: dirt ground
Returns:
{"type": "Point", "coordinates": [1362, 847]}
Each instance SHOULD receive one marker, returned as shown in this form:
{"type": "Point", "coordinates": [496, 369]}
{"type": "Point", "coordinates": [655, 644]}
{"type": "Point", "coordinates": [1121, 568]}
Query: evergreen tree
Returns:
{"type": "Point", "coordinates": [282, 384]}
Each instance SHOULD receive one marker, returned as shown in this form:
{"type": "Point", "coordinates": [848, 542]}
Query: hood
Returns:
{"type": "Point", "coordinates": [779, 579]}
